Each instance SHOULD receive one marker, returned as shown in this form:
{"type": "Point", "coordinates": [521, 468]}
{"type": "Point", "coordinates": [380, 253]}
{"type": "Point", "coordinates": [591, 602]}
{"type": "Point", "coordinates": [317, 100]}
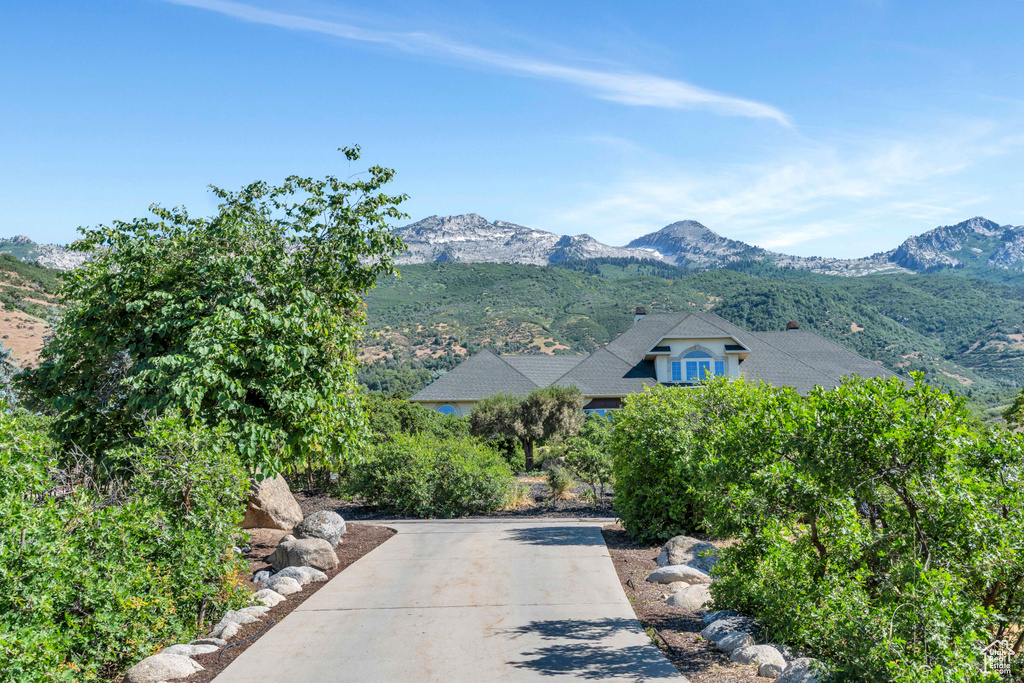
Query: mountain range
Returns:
{"type": "Point", "coordinates": [470, 238]}
{"type": "Point", "coordinates": [977, 246]}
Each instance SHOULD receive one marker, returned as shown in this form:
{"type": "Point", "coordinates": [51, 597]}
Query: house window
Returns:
{"type": "Point", "coordinates": [698, 365]}
{"type": "Point", "coordinates": [446, 410]}
{"type": "Point", "coordinates": [719, 368]}
{"type": "Point", "coordinates": [677, 371]}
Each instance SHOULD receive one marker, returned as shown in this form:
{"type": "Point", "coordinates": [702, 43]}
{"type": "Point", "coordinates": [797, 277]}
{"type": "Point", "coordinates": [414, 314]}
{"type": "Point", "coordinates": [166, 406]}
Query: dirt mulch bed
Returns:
{"type": "Point", "coordinates": [357, 541]}
{"type": "Point", "coordinates": [678, 630]}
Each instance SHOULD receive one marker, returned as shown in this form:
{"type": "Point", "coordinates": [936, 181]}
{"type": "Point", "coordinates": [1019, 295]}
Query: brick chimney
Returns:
{"type": "Point", "coordinates": [792, 325]}
{"type": "Point", "coordinates": [639, 313]}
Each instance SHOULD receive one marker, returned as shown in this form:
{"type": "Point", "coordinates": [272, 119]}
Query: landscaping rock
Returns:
{"type": "Point", "coordinates": [189, 650]}
{"type": "Point", "coordinates": [284, 585]}
{"type": "Point", "coordinates": [687, 550]}
{"type": "Point", "coordinates": [304, 575]}
{"type": "Point", "coordinates": [162, 667]}
{"type": "Point", "coordinates": [759, 654]}
{"type": "Point", "coordinates": [226, 630]}
{"type": "Point", "coordinates": [271, 506]}
{"type": "Point", "coordinates": [229, 624]}
{"type": "Point", "coordinates": [255, 610]}
{"type": "Point", "coordinates": [722, 627]}
{"type": "Point", "coordinates": [735, 641]}
{"type": "Point", "coordinates": [799, 671]}
{"type": "Point", "coordinates": [304, 552]}
{"type": "Point", "coordinates": [691, 597]}
{"type": "Point", "coordinates": [219, 642]}
{"type": "Point", "coordinates": [720, 614]}
{"type": "Point", "coordinates": [268, 597]}
{"type": "Point", "coordinates": [323, 524]}
{"type": "Point", "coordinates": [262, 575]}
{"type": "Point", "coordinates": [678, 572]}
{"type": "Point", "coordinates": [769, 670]}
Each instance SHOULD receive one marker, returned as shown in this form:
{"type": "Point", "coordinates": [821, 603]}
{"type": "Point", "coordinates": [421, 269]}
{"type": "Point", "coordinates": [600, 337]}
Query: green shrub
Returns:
{"type": "Point", "coordinates": [387, 417]}
{"type": "Point", "coordinates": [560, 481]}
{"type": "Point", "coordinates": [421, 476]}
{"type": "Point", "coordinates": [881, 527]}
{"type": "Point", "coordinates": [98, 574]}
{"type": "Point", "coordinates": [660, 444]}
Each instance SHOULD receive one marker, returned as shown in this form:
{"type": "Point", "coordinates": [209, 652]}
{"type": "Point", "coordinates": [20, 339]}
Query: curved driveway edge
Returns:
{"type": "Point", "coordinates": [465, 600]}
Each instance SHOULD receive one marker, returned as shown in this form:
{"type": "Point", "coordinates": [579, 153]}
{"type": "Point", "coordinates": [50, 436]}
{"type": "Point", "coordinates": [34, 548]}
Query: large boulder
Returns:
{"type": "Point", "coordinates": [304, 552]}
{"type": "Point", "coordinates": [304, 575]}
{"type": "Point", "coordinates": [162, 667]}
{"type": "Point", "coordinates": [691, 598]}
{"type": "Point", "coordinates": [679, 572]}
{"type": "Point", "coordinates": [687, 550]}
{"type": "Point", "coordinates": [735, 641]}
{"type": "Point", "coordinates": [799, 671]}
{"type": "Point", "coordinates": [282, 585]}
{"type": "Point", "coordinates": [723, 627]}
{"type": "Point", "coordinates": [268, 597]}
{"type": "Point", "coordinates": [720, 614]}
{"type": "Point", "coordinates": [271, 506]}
{"type": "Point", "coordinates": [323, 524]}
{"type": "Point", "coordinates": [758, 654]}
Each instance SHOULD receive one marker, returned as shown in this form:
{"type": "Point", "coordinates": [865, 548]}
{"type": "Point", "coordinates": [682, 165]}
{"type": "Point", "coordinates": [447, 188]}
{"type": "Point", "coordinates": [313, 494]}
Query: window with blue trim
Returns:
{"type": "Point", "coordinates": [446, 410]}
{"type": "Point", "coordinates": [697, 368]}
{"type": "Point", "coordinates": [677, 371]}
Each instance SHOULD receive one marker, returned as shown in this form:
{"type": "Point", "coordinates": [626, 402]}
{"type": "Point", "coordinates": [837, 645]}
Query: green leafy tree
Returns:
{"type": "Point", "coordinates": [542, 414]}
{"type": "Point", "coordinates": [249, 318]}
{"type": "Point", "coordinates": [1014, 415]}
{"type": "Point", "coordinates": [588, 454]}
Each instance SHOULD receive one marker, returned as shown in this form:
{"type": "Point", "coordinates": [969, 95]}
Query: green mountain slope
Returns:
{"type": "Point", "coordinates": [964, 334]}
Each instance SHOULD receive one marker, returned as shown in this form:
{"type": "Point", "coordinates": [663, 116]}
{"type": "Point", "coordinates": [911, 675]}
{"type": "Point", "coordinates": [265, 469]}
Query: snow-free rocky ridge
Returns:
{"type": "Point", "coordinates": [471, 238]}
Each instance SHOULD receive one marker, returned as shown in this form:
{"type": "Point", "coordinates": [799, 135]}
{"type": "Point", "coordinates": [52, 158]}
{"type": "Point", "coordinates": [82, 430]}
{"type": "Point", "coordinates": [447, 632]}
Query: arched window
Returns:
{"type": "Point", "coordinates": [698, 366]}
{"type": "Point", "coordinates": [446, 410]}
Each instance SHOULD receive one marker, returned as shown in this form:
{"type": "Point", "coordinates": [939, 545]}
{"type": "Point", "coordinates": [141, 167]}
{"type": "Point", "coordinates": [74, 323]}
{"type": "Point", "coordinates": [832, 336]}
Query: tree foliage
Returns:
{"type": "Point", "coordinates": [542, 414]}
{"type": "Point", "coordinates": [249, 318]}
{"type": "Point", "coordinates": [880, 524]}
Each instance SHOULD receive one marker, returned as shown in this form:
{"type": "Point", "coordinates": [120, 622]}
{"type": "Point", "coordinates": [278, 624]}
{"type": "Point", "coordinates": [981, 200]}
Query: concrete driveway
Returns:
{"type": "Point", "coordinates": [465, 601]}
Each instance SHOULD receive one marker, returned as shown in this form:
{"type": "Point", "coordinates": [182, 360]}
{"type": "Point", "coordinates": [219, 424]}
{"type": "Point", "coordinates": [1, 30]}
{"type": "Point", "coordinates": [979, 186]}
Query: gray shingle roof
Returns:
{"type": "Point", "coordinates": [826, 356]}
{"type": "Point", "coordinates": [477, 378]}
{"type": "Point", "coordinates": [543, 370]}
{"type": "Point", "coordinates": [603, 373]}
{"type": "Point", "coordinates": [795, 358]}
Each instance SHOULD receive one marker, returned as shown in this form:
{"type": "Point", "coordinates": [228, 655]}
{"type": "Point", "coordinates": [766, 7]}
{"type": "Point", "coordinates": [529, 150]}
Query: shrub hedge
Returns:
{"type": "Point", "coordinates": [98, 573]}
{"type": "Point", "coordinates": [423, 476]}
{"type": "Point", "coordinates": [881, 527]}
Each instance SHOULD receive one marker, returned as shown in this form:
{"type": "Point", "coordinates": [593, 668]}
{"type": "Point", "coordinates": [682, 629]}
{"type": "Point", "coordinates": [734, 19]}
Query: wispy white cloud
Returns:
{"type": "Point", "coordinates": [853, 197]}
{"type": "Point", "coordinates": [625, 87]}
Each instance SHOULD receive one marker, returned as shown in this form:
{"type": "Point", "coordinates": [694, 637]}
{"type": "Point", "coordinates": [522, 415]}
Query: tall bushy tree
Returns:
{"type": "Point", "coordinates": [249, 318]}
{"type": "Point", "coordinates": [542, 414]}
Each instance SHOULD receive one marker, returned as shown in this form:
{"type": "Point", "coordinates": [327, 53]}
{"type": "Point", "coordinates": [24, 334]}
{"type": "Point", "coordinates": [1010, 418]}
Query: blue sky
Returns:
{"type": "Point", "coordinates": [831, 129]}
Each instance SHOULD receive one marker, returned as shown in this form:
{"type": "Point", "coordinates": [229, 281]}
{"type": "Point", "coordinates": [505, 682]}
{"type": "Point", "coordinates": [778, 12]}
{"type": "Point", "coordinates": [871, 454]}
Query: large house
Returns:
{"type": "Point", "coordinates": [664, 348]}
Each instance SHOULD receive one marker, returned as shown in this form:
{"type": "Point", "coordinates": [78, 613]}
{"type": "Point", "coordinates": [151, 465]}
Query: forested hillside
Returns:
{"type": "Point", "coordinates": [27, 291]}
{"type": "Point", "coordinates": [963, 334]}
